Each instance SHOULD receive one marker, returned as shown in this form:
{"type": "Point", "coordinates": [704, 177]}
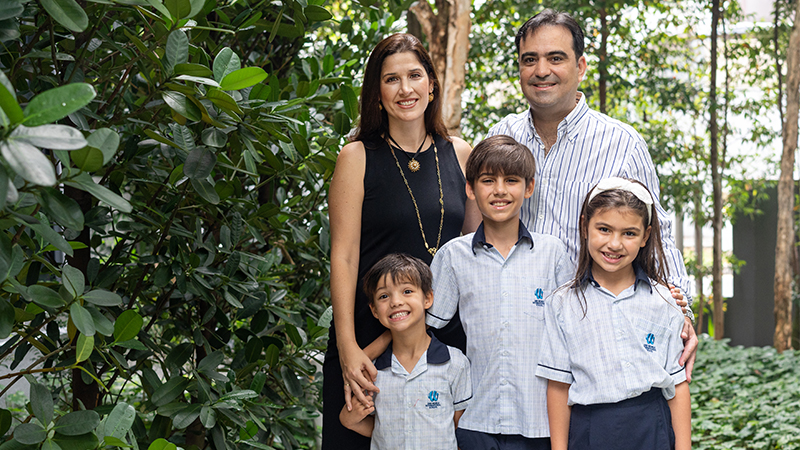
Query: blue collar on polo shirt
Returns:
{"type": "Point", "coordinates": [638, 271]}
{"type": "Point", "coordinates": [437, 354]}
{"type": "Point", "coordinates": [480, 237]}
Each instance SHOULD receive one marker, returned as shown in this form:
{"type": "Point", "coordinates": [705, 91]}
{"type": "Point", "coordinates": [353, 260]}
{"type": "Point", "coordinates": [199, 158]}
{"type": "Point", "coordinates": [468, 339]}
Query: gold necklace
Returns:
{"type": "Point", "coordinates": [413, 164]}
{"type": "Point", "coordinates": [431, 250]}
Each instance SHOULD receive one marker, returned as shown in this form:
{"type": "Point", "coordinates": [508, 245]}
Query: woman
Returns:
{"type": "Point", "coordinates": [398, 187]}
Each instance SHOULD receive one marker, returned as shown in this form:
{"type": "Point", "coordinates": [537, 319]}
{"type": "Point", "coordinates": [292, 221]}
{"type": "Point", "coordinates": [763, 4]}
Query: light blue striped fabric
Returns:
{"type": "Point", "coordinates": [623, 347]}
{"type": "Point", "coordinates": [415, 410]}
{"type": "Point", "coordinates": [590, 146]}
{"type": "Point", "coordinates": [501, 304]}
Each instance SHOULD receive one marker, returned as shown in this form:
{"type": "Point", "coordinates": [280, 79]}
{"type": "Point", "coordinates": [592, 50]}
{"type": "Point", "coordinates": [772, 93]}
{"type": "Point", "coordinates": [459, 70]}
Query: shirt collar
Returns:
{"type": "Point", "coordinates": [574, 120]}
{"type": "Point", "coordinates": [437, 354]}
{"type": "Point", "coordinates": [641, 276]}
{"type": "Point", "coordinates": [479, 239]}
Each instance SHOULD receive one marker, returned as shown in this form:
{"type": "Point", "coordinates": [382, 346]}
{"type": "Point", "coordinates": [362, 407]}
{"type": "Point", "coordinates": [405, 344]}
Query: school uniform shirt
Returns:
{"type": "Point", "coordinates": [624, 345]}
{"type": "Point", "coordinates": [590, 147]}
{"type": "Point", "coordinates": [501, 303]}
{"type": "Point", "coordinates": [415, 410]}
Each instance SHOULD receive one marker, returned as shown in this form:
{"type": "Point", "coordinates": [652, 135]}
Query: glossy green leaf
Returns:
{"type": "Point", "coordinates": [119, 421]}
{"type": "Point", "coordinates": [85, 182]}
{"type": "Point", "coordinates": [73, 280]}
{"type": "Point", "coordinates": [87, 441]}
{"type": "Point", "coordinates": [193, 70]}
{"type": "Point", "coordinates": [101, 323]}
{"type": "Point", "coordinates": [244, 394]}
{"type": "Point", "coordinates": [106, 140]}
{"type": "Point", "coordinates": [208, 417]}
{"type": "Point", "coordinates": [10, 9]}
{"type": "Point", "coordinates": [206, 190]}
{"type": "Point", "coordinates": [116, 442]}
{"type": "Point", "coordinates": [179, 355]}
{"type": "Point", "coordinates": [162, 444]}
{"type": "Point", "coordinates": [8, 102]}
{"type": "Point", "coordinates": [127, 325]}
{"type": "Point", "coordinates": [49, 235]}
{"type": "Point", "coordinates": [54, 137]}
{"type": "Point", "coordinates": [243, 78]}
{"type": "Point", "coordinates": [45, 296]}
{"type": "Point", "coordinates": [213, 137]}
{"type": "Point", "coordinates": [316, 13]}
{"type": "Point", "coordinates": [5, 421]}
{"type": "Point", "coordinates": [102, 297]}
{"type": "Point", "coordinates": [178, 9]}
{"type": "Point", "coordinates": [57, 103]}
{"type": "Point", "coordinates": [62, 209]}
{"type": "Point", "coordinates": [253, 349]}
{"type": "Point", "coordinates": [41, 403]}
{"type": "Point", "coordinates": [341, 123]}
{"type": "Point", "coordinates": [4, 191]}
{"type": "Point", "coordinates": [199, 163]}
{"type": "Point", "coordinates": [68, 13]}
{"type": "Point", "coordinates": [300, 144]}
{"type": "Point", "coordinates": [158, 5]}
{"type": "Point", "coordinates": [181, 105]}
{"type": "Point", "coordinates": [50, 444]}
{"type": "Point", "coordinates": [88, 159]}
{"type": "Point", "coordinates": [226, 62]}
{"type": "Point", "coordinates": [177, 44]}
{"type": "Point", "coordinates": [82, 319]}
{"type": "Point", "coordinates": [169, 391]}
{"type": "Point", "coordinates": [186, 416]}
{"type": "Point", "coordinates": [77, 423]}
{"type": "Point", "coordinates": [83, 347]}
{"type": "Point", "coordinates": [291, 382]}
{"type": "Point", "coordinates": [223, 100]}
{"type": "Point", "coordinates": [28, 162]}
{"type": "Point", "coordinates": [350, 101]}
{"type": "Point", "coordinates": [29, 433]}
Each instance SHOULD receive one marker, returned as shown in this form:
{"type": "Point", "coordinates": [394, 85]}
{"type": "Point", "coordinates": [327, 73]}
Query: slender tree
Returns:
{"type": "Point", "coordinates": [785, 242]}
{"type": "Point", "coordinates": [716, 180]}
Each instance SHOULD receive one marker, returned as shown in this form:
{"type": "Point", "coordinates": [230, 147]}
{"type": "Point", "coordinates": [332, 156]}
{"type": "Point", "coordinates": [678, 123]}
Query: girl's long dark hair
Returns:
{"type": "Point", "coordinates": [650, 257]}
{"type": "Point", "coordinates": [374, 123]}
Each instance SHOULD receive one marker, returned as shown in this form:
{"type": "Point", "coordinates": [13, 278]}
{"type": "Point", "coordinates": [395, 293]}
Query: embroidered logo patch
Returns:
{"type": "Point", "coordinates": [650, 340]}
{"type": "Point", "coordinates": [539, 294]}
{"type": "Point", "coordinates": [433, 396]}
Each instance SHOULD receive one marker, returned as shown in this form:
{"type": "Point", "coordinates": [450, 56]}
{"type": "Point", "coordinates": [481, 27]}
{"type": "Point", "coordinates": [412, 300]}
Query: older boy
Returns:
{"type": "Point", "coordinates": [499, 278]}
{"type": "Point", "coordinates": [424, 384]}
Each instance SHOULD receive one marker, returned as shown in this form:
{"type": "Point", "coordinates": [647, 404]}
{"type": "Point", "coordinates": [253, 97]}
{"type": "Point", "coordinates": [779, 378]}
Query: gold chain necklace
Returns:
{"type": "Point", "coordinates": [431, 250]}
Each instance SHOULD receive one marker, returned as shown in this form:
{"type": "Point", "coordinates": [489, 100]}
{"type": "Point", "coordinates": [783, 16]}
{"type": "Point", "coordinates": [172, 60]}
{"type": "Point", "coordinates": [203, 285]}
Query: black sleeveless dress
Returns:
{"type": "Point", "coordinates": [389, 225]}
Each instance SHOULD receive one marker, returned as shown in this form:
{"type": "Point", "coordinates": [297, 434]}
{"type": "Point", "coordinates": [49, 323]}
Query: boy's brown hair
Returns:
{"type": "Point", "coordinates": [500, 154]}
{"type": "Point", "coordinates": [402, 268]}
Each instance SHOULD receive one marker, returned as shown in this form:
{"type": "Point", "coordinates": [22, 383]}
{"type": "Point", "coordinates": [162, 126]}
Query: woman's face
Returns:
{"type": "Point", "coordinates": [405, 86]}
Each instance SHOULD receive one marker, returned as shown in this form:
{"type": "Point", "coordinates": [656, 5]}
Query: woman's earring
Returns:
{"type": "Point", "coordinates": [430, 97]}
{"type": "Point", "coordinates": [380, 106]}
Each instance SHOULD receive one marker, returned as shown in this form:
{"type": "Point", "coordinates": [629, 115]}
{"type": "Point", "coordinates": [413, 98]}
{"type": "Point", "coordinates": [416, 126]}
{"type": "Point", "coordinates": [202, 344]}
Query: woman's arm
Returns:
{"type": "Point", "coordinates": [558, 412]}
{"type": "Point", "coordinates": [472, 216]}
{"type": "Point", "coordinates": [345, 200]}
{"type": "Point", "coordinates": [680, 408]}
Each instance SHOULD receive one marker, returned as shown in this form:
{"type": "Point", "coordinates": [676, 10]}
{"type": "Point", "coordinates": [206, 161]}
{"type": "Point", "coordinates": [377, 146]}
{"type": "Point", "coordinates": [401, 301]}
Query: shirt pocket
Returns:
{"type": "Point", "coordinates": [654, 339]}
{"type": "Point", "coordinates": [534, 295]}
{"type": "Point", "coordinates": [435, 400]}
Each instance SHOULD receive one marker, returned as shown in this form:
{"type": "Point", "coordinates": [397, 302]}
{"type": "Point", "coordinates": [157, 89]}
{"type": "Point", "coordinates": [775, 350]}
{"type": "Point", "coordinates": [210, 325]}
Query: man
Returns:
{"type": "Point", "coordinates": [574, 146]}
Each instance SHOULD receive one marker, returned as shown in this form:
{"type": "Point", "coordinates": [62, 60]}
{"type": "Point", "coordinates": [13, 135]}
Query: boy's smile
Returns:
{"type": "Point", "coordinates": [400, 306]}
{"type": "Point", "coordinates": [499, 197]}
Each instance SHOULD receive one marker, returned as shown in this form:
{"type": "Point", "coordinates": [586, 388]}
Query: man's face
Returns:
{"type": "Point", "coordinates": [549, 73]}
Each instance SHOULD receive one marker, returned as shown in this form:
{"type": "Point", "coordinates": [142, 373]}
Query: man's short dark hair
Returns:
{"type": "Point", "coordinates": [402, 268]}
{"type": "Point", "coordinates": [500, 154]}
{"type": "Point", "coordinates": [550, 17]}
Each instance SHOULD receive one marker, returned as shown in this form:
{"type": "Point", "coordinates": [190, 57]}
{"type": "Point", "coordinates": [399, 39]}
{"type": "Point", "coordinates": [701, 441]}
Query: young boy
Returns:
{"type": "Point", "coordinates": [424, 384]}
{"type": "Point", "coordinates": [499, 278]}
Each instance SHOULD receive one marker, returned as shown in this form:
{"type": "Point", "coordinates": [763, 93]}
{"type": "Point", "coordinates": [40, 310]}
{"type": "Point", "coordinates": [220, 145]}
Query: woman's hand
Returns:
{"type": "Point", "coordinates": [359, 375]}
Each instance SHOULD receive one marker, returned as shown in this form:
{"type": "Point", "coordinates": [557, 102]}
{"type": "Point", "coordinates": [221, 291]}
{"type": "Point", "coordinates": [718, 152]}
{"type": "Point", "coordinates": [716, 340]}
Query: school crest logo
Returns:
{"type": "Point", "coordinates": [433, 396]}
{"type": "Point", "coordinates": [539, 294]}
{"type": "Point", "coordinates": [649, 342]}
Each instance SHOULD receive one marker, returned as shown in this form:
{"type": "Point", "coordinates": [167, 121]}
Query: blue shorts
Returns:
{"type": "Point", "coordinates": [476, 440]}
{"type": "Point", "coordinates": [642, 422]}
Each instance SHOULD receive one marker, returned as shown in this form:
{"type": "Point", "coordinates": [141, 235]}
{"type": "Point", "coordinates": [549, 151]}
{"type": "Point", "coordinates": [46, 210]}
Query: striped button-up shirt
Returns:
{"type": "Point", "coordinates": [590, 147]}
{"type": "Point", "coordinates": [501, 304]}
{"type": "Point", "coordinates": [415, 410]}
{"type": "Point", "coordinates": [625, 344]}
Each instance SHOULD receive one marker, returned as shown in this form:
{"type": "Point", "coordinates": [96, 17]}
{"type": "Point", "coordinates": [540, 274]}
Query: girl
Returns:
{"type": "Point", "coordinates": [612, 336]}
{"type": "Point", "coordinates": [398, 187]}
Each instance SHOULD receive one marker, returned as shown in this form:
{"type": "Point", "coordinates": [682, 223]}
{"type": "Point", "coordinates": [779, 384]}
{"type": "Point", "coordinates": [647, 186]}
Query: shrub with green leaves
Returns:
{"type": "Point", "coordinates": [745, 398]}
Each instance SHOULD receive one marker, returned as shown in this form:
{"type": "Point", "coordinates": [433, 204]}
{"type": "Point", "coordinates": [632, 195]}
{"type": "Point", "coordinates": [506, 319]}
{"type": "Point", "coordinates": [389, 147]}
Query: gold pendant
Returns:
{"type": "Point", "coordinates": [413, 165]}
{"type": "Point", "coordinates": [432, 251]}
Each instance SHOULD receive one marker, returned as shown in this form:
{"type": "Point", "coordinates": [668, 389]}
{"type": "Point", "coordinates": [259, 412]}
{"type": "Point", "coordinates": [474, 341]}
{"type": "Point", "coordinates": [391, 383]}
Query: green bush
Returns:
{"type": "Point", "coordinates": [745, 398]}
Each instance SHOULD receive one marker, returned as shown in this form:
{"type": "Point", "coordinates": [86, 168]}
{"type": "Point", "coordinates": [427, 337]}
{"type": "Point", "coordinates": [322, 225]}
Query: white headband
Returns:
{"type": "Point", "coordinates": [613, 183]}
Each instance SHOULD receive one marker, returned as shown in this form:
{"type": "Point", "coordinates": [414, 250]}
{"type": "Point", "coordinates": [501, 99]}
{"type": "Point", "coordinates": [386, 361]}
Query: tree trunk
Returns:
{"type": "Point", "coordinates": [716, 181]}
{"type": "Point", "coordinates": [602, 67]}
{"type": "Point", "coordinates": [785, 244]}
{"type": "Point", "coordinates": [698, 250]}
{"type": "Point", "coordinates": [448, 45]}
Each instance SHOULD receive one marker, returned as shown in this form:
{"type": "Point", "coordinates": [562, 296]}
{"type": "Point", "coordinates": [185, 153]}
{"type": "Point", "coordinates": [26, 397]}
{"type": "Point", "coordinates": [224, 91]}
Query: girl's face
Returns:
{"type": "Point", "coordinates": [405, 86]}
{"type": "Point", "coordinates": [614, 237]}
